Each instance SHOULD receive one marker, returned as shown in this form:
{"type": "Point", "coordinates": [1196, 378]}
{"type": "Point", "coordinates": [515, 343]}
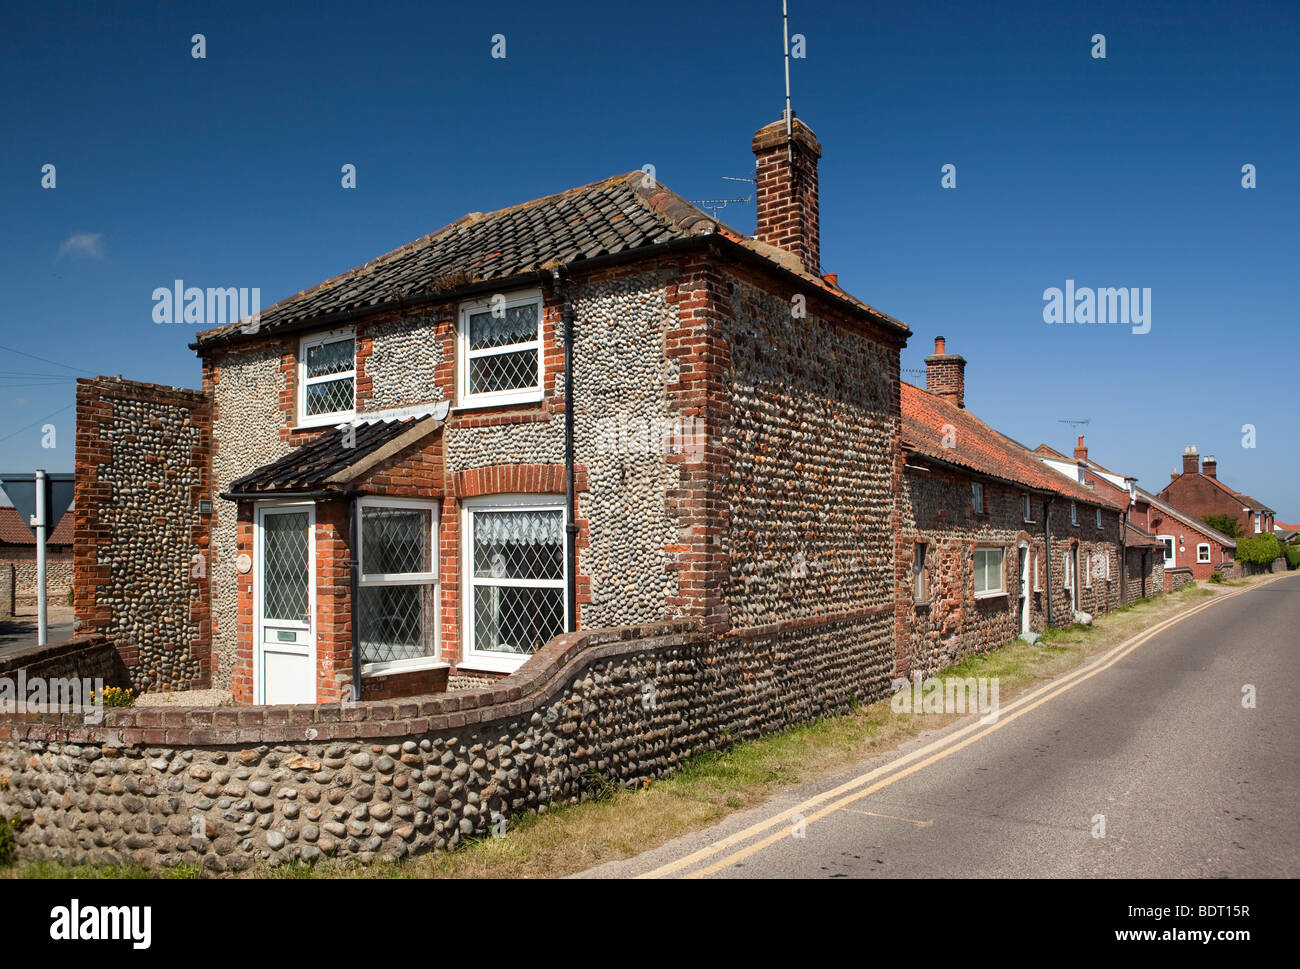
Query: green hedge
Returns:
{"type": "Point", "coordinates": [1258, 549]}
{"type": "Point", "coordinates": [1292, 556]}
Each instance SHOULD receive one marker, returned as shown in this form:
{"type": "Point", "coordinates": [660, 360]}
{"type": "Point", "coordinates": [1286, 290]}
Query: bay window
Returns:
{"type": "Point", "coordinates": [397, 608]}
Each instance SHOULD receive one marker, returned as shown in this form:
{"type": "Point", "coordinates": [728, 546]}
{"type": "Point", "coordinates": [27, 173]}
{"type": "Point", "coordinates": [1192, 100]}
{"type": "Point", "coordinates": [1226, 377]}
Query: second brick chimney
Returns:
{"type": "Point", "coordinates": [945, 374]}
{"type": "Point", "coordinates": [1080, 452]}
{"type": "Point", "coordinates": [1191, 460]}
{"type": "Point", "coordinates": [1211, 467]}
{"type": "Point", "coordinates": [786, 190]}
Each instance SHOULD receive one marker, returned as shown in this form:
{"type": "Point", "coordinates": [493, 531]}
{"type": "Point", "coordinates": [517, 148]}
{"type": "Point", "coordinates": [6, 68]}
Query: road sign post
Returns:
{"type": "Point", "coordinates": [40, 499]}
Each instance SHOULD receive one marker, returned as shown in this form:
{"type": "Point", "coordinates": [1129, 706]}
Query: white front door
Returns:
{"type": "Point", "coordinates": [1024, 589]}
{"type": "Point", "coordinates": [284, 654]}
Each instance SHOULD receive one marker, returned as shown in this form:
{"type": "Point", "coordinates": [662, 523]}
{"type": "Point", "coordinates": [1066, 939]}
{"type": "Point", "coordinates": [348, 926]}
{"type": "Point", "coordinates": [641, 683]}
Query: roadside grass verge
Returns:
{"type": "Point", "coordinates": [572, 838]}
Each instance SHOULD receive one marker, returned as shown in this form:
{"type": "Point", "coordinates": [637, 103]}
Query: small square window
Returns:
{"type": "Point", "coordinates": [1203, 552]}
{"type": "Point", "coordinates": [987, 566]}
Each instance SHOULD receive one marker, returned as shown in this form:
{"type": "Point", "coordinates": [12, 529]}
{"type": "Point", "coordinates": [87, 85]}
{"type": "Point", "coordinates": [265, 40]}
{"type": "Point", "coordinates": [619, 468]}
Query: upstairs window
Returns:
{"type": "Point", "coordinates": [500, 342]}
{"type": "Point", "coordinates": [327, 378]}
{"type": "Point", "coordinates": [1028, 513]}
{"type": "Point", "coordinates": [1098, 517]}
{"type": "Point", "coordinates": [1074, 513]}
{"type": "Point", "coordinates": [977, 497]}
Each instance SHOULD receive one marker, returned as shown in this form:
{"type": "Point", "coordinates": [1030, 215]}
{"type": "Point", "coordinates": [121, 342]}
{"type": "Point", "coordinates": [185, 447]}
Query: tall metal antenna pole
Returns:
{"type": "Point", "coordinates": [785, 33]}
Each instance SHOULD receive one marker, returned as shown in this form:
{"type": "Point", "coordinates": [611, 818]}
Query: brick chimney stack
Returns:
{"type": "Point", "coordinates": [786, 190]}
{"type": "Point", "coordinates": [945, 374]}
{"type": "Point", "coordinates": [1191, 460]}
{"type": "Point", "coordinates": [1211, 467]}
{"type": "Point", "coordinates": [1080, 452]}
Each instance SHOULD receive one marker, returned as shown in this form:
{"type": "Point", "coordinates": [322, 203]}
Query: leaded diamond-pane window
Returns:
{"type": "Point", "coordinates": [396, 539]}
{"type": "Point", "coordinates": [285, 567]}
{"type": "Point", "coordinates": [516, 576]}
{"type": "Point", "coordinates": [501, 349]}
{"type": "Point", "coordinates": [328, 375]}
{"type": "Point", "coordinates": [397, 622]}
{"type": "Point", "coordinates": [396, 615]}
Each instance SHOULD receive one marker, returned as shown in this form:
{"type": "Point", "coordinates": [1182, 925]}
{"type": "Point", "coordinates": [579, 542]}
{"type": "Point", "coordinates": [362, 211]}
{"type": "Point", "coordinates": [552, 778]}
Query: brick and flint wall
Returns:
{"type": "Point", "coordinates": [140, 561]}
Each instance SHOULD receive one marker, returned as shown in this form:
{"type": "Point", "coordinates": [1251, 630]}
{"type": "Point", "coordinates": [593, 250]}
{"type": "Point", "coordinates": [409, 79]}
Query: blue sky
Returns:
{"type": "Point", "coordinates": [1117, 172]}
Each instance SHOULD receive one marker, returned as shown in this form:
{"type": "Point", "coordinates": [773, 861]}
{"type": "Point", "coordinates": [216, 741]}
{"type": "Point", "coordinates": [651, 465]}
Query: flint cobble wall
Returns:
{"type": "Point", "coordinates": [233, 787]}
{"type": "Point", "coordinates": [21, 566]}
{"type": "Point", "coordinates": [140, 543]}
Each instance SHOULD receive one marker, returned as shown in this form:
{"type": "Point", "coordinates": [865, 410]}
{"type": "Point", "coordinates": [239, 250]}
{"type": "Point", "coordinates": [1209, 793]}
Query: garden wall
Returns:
{"type": "Point", "coordinates": [232, 787]}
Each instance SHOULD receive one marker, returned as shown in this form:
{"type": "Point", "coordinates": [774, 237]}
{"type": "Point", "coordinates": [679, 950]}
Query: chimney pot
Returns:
{"type": "Point", "coordinates": [1080, 452]}
{"type": "Point", "coordinates": [1210, 467]}
{"type": "Point", "coordinates": [945, 374]}
{"type": "Point", "coordinates": [787, 215]}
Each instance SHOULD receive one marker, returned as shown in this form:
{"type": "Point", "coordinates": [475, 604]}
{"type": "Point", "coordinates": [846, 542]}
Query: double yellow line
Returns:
{"type": "Point", "coordinates": [881, 777]}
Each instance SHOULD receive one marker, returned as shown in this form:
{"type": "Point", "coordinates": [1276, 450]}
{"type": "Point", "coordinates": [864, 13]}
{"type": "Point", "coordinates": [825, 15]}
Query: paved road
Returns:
{"type": "Point", "coordinates": [19, 632]}
{"type": "Point", "coordinates": [1191, 784]}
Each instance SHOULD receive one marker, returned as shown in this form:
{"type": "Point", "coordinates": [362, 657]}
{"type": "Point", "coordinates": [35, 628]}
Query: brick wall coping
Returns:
{"type": "Point", "coordinates": [534, 684]}
{"type": "Point", "coordinates": [29, 656]}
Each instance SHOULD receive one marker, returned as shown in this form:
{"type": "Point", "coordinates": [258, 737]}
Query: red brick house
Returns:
{"type": "Point", "coordinates": [1142, 573]}
{"type": "Point", "coordinates": [600, 408]}
{"type": "Point", "coordinates": [1198, 491]}
{"type": "Point", "coordinates": [990, 542]}
{"type": "Point", "coordinates": [1187, 542]}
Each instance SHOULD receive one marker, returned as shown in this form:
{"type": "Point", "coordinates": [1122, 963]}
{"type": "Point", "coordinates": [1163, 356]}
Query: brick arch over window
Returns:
{"type": "Point", "coordinates": [516, 479]}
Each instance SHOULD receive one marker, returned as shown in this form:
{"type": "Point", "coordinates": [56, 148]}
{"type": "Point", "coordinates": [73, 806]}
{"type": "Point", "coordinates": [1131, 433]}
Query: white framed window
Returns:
{"type": "Point", "coordinates": [514, 568]}
{"type": "Point", "coordinates": [1069, 578]}
{"type": "Point", "coordinates": [500, 350]}
{"type": "Point", "coordinates": [988, 572]}
{"type": "Point", "coordinates": [1028, 512]}
{"type": "Point", "coordinates": [327, 378]}
{"type": "Point", "coordinates": [1038, 585]}
{"type": "Point", "coordinates": [1074, 513]}
{"type": "Point", "coordinates": [397, 606]}
{"type": "Point", "coordinates": [1098, 510]}
{"type": "Point", "coordinates": [1258, 529]}
{"type": "Point", "coordinates": [1087, 570]}
{"type": "Point", "coordinates": [977, 497]}
{"type": "Point", "coordinates": [1203, 552]}
{"type": "Point", "coordinates": [1171, 558]}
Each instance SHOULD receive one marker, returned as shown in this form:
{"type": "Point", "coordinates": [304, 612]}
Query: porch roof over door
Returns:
{"type": "Point", "coordinates": [330, 464]}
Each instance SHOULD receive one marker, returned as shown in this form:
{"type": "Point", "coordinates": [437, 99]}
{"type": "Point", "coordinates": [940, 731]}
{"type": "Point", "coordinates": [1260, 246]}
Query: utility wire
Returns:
{"type": "Point", "coordinates": [38, 420]}
{"type": "Point", "coordinates": [45, 360]}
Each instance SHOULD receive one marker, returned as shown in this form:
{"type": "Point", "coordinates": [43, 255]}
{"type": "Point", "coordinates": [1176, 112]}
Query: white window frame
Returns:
{"type": "Point", "coordinates": [1069, 578]}
{"type": "Point", "coordinates": [1206, 547]}
{"type": "Point", "coordinates": [1028, 508]}
{"type": "Point", "coordinates": [1074, 513]}
{"type": "Point", "coordinates": [920, 573]}
{"type": "Point", "coordinates": [1038, 586]}
{"type": "Point", "coordinates": [484, 659]}
{"type": "Point", "coordinates": [1169, 552]}
{"type": "Point", "coordinates": [464, 354]}
{"type": "Point", "coordinates": [316, 339]}
{"type": "Point", "coordinates": [1257, 524]}
{"type": "Point", "coordinates": [1001, 590]}
{"type": "Point", "coordinates": [435, 659]}
{"type": "Point", "coordinates": [977, 497]}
